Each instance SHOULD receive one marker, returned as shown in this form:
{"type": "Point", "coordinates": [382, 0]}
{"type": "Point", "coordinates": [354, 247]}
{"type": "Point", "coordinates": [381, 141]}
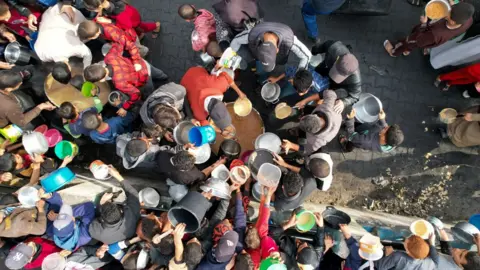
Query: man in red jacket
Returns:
{"type": "Point", "coordinates": [30, 253]}
{"type": "Point", "coordinates": [205, 95]}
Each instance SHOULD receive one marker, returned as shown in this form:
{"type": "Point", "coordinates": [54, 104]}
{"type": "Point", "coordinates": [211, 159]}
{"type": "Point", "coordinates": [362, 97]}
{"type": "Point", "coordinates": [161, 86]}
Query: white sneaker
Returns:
{"type": "Point", "coordinates": [465, 94]}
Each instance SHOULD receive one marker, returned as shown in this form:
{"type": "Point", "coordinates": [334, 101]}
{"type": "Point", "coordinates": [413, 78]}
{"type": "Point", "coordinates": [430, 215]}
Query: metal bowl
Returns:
{"type": "Point", "coordinates": [180, 132]}
{"type": "Point", "coordinates": [270, 92]}
{"type": "Point", "coordinates": [218, 187]}
{"type": "Point", "coordinates": [17, 54]}
{"type": "Point", "coordinates": [269, 141]}
{"type": "Point", "coordinates": [202, 153]}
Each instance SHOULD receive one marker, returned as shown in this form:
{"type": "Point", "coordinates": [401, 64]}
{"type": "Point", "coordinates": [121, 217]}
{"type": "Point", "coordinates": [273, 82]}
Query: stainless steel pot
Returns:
{"type": "Point", "coordinates": [180, 132]}
{"type": "Point", "coordinates": [17, 54]}
{"type": "Point", "coordinates": [465, 232]}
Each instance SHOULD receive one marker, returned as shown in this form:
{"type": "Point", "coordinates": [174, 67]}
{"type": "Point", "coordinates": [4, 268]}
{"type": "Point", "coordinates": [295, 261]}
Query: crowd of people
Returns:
{"type": "Point", "coordinates": [144, 109]}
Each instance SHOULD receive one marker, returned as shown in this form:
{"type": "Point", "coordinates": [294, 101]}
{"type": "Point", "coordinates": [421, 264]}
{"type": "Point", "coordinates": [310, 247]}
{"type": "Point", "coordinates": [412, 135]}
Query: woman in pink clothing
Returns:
{"type": "Point", "coordinates": [204, 22]}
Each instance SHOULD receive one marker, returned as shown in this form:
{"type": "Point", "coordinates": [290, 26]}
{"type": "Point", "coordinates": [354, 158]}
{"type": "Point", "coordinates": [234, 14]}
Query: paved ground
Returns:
{"type": "Point", "coordinates": [415, 185]}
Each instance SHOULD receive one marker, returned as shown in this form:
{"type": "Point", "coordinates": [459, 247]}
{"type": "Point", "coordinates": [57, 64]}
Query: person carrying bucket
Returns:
{"type": "Point", "coordinates": [205, 95]}
{"type": "Point", "coordinates": [378, 138]}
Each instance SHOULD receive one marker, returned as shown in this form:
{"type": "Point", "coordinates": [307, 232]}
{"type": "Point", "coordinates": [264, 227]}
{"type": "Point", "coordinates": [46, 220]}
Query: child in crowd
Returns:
{"type": "Point", "coordinates": [14, 17]}
{"type": "Point", "coordinates": [106, 132]}
{"type": "Point", "coordinates": [72, 117]}
{"type": "Point", "coordinates": [379, 138]}
{"type": "Point", "coordinates": [204, 25]}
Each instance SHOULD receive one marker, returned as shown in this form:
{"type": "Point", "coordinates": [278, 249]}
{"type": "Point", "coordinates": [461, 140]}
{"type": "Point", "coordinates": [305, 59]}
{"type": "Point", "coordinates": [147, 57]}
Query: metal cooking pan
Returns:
{"type": "Point", "coordinates": [333, 217]}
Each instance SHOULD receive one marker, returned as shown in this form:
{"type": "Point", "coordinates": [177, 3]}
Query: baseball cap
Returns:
{"type": "Point", "coordinates": [307, 256]}
{"type": "Point", "coordinates": [219, 114]}
{"type": "Point", "coordinates": [461, 12]}
{"type": "Point", "coordinates": [63, 225]}
{"type": "Point", "coordinates": [345, 66]}
{"type": "Point", "coordinates": [19, 256]}
{"type": "Point", "coordinates": [267, 55]}
{"type": "Point", "coordinates": [226, 246]}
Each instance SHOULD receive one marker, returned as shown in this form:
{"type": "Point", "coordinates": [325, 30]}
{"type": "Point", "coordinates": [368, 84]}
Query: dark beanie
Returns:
{"type": "Point", "coordinates": [7, 163]}
{"type": "Point", "coordinates": [461, 12]}
{"type": "Point", "coordinates": [307, 256]}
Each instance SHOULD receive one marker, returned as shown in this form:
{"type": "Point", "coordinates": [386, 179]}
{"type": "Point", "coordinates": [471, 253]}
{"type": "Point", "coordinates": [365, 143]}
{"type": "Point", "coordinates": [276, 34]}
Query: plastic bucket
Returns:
{"type": "Point", "coordinates": [201, 135]}
{"type": "Point", "coordinates": [367, 108]}
{"type": "Point", "coordinates": [99, 169]}
{"type": "Point", "coordinates": [305, 221]}
{"type": "Point", "coordinates": [41, 129]}
{"type": "Point", "coordinates": [57, 179]}
{"type": "Point", "coordinates": [87, 88]}
{"type": "Point", "coordinates": [242, 107]}
{"type": "Point", "coordinates": [28, 196]}
{"type": "Point", "coordinates": [190, 210]}
{"type": "Point", "coordinates": [269, 175]}
{"type": "Point", "coordinates": [221, 172]}
{"type": "Point", "coordinates": [34, 143]}
{"type": "Point", "coordinates": [475, 220]}
{"type": "Point", "coordinates": [239, 174]}
{"type": "Point", "coordinates": [66, 148]}
{"type": "Point", "coordinates": [272, 264]}
{"type": "Point", "coordinates": [11, 132]}
{"type": "Point", "coordinates": [53, 137]}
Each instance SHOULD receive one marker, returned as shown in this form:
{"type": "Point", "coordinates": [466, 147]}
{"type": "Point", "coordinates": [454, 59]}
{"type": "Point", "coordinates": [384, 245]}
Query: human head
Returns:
{"type": "Point", "coordinates": [416, 247]}
{"type": "Point", "coordinates": [183, 161]}
{"type": "Point", "coordinates": [187, 12]}
{"type": "Point", "coordinates": [192, 253]}
{"type": "Point", "coordinates": [10, 80]}
{"type": "Point", "coordinates": [302, 81]}
{"type": "Point", "coordinates": [344, 66]}
{"type": "Point", "coordinates": [312, 123]}
{"type": "Point", "coordinates": [5, 14]}
{"type": "Point", "coordinates": [67, 111]}
{"type": "Point", "coordinates": [110, 213]}
{"type": "Point", "coordinates": [225, 248]}
{"type": "Point", "coordinates": [469, 260]}
{"type": "Point", "coordinates": [88, 30]}
{"type": "Point", "coordinates": [95, 73]}
{"type": "Point", "coordinates": [94, 5]}
{"type": "Point", "coordinates": [148, 227]}
{"type": "Point", "coordinates": [77, 82]}
{"type": "Point", "coordinates": [8, 199]}
{"type": "Point", "coordinates": [8, 162]}
{"type": "Point", "coordinates": [460, 14]}
{"type": "Point", "coordinates": [243, 261]}
{"type": "Point", "coordinates": [91, 120]}
{"type": "Point", "coordinates": [61, 72]}
{"type": "Point", "coordinates": [252, 239]}
{"type": "Point", "coordinates": [64, 225]}
{"type": "Point", "coordinates": [267, 54]}
{"type": "Point", "coordinates": [306, 257]}
{"type": "Point", "coordinates": [20, 255]}
{"type": "Point", "coordinates": [213, 49]}
{"type": "Point", "coordinates": [219, 114]}
{"type": "Point", "coordinates": [136, 147]}
{"type": "Point", "coordinates": [166, 116]}
{"type": "Point", "coordinates": [292, 183]}
{"type": "Point", "coordinates": [166, 245]}
{"type": "Point", "coordinates": [319, 167]}
{"type": "Point", "coordinates": [394, 136]}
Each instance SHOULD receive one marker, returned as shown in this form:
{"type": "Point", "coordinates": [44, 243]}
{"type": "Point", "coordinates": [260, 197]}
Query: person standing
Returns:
{"type": "Point", "coordinates": [312, 8]}
{"type": "Point", "coordinates": [467, 75]}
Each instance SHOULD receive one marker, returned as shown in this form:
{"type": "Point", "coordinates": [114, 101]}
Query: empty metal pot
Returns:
{"type": "Point", "coordinates": [230, 149]}
{"type": "Point", "coordinates": [257, 159]}
{"type": "Point", "coordinates": [180, 132]}
{"type": "Point", "coordinates": [367, 108]}
{"type": "Point", "coordinates": [270, 92]}
{"type": "Point", "coordinates": [17, 54]}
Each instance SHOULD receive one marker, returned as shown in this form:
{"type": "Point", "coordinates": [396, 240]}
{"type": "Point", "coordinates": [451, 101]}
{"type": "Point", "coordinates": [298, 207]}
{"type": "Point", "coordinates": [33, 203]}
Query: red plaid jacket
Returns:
{"type": "Point", "coordinates": [113, 33]}
{"type": "Point", "coordinates": [124, 76]}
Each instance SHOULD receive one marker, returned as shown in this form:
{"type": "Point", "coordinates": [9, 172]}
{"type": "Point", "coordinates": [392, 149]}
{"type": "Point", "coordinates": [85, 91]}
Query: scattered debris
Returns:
{"type": "Point", "coordinates": [426, 129]}
{"type": "Point", "coordinates": [380, 181]}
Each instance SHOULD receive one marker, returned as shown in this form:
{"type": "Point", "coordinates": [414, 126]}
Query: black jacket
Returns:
{"type": "Point", "coordinates": [352, 84]}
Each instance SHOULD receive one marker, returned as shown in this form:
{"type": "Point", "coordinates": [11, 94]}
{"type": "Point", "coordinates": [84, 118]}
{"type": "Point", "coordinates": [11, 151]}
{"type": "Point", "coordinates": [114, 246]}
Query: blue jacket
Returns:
{"type": "Point", "coordinates": [116, 126]}
{"type": "Point", "coordinates": [84, 213]}
{"type": "Point", "coordinates": [354, 261]}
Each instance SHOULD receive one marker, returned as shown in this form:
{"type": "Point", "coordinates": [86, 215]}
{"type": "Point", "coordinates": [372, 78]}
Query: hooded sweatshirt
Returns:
{"type": "Point", "coordinates": [23, 221]}
{"type": "Point", "coordinates": [332, 125]}
{"type": "Point", "coordinates": [129, 162]}
{"type": "Point", "coordinates": [171, 93]}
{"type": "Point", "coordinates": [123, 229]}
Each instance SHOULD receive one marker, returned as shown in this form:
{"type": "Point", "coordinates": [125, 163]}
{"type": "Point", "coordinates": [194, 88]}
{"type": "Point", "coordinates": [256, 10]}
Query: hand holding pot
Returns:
{"type": "Point", "coordinates": [352, 114]}
{"type": "Point", "coordinates": [382, 115]}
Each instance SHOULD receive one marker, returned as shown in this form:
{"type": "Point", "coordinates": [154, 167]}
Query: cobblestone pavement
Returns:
{"type": "Point", "coordinates": [414, 185]}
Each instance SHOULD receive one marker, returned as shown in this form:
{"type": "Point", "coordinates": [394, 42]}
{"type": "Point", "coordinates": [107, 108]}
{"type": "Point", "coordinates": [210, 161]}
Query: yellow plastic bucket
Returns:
{"type": "Point", "coordinates": [11, 132]}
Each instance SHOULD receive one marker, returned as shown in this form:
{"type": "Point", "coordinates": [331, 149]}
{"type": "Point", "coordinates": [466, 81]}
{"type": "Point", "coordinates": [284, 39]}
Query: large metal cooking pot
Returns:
{"type": "Point", "coordinates": [230, 149]}
{"type": "Point", "coordinates": [465, 232]}
{"type": "Point", "coordinates": [333, 217]}
{"type": "Point", "coordinates": [257, 159]}
{"type": "Point", "coordinates": [17, 54]}
{"type": "Point", "coordinates": [180, 132]}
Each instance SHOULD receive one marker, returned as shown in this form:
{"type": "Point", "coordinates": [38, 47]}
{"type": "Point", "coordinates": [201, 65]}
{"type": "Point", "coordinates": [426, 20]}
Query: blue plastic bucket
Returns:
{"type": "Point", "coordinates": [57, 179]}
{"type": "Point", "coordinates": [475, 220]}
{"type": "Point", "coordinates": [202, 135]}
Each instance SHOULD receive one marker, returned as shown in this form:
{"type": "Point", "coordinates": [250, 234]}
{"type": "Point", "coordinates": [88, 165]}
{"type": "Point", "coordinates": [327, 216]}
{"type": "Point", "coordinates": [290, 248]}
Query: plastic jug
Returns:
{"type": "Point", "coordinates": [269, 175]}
